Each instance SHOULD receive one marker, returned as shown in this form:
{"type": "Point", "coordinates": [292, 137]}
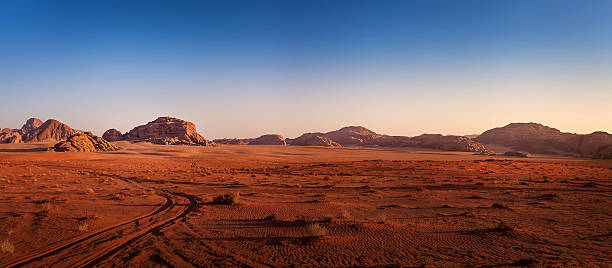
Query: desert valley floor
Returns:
{"type": "Point", "coordinates": [150, 206]}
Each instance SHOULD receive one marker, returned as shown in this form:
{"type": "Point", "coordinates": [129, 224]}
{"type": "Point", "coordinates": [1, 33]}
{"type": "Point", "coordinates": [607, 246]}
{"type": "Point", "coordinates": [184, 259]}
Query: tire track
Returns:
{"type": "Point", "coordinates": [101, 255]}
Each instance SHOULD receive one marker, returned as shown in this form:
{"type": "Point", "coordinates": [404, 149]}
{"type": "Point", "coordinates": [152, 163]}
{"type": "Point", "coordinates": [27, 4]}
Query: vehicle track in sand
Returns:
{"type": "Point", "coordinates": [93, 248]}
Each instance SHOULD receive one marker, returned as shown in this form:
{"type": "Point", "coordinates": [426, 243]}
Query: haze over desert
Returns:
{"type": "Point", "coordinates": [335, 133]}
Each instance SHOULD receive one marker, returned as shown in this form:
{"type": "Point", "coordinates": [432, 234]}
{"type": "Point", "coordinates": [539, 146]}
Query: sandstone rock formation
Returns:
{"type": "Point", "coordinates": [233, 141]}
{"type": "Point", "coordinates": [11, 137]}
{"type": "Point", "coordinates": [50, 130]}
{"type": "Point", "coordinates": [167, 131]}
{"type": "Point", "coordinates": [84, 142]}
{"type": "Point", "coordinates": [31, 125]}
{"type": "Point", "coordinates": [537, 138]}
{"type": "Point", "coordinates": [270, 139]}
{"type": "Point", "coordinates": [313, 139]}
{"type": "Point", "coordinates": [112, 135]}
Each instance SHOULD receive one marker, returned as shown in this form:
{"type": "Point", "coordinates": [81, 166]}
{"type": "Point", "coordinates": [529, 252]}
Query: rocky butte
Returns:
{"type": "Point", "coordinates": [163, 130]}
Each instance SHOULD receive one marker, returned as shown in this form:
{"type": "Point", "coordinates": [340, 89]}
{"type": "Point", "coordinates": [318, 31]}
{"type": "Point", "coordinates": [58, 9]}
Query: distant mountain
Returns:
{"type": "Point", "coordinates": [270, 139]}
{"type": "Point", "coordinates": [360, 136]}
{"type": "Point", "coordinates": [537, 138]}
{"type": "Point", "coordinates": [50, 130]}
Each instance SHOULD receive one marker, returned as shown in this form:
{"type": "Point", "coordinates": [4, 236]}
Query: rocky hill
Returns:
{"type": "Point", "coordinates": [50, 130]}
{"type": "Point", "coordinates": [84, 142]}
{"type": "Point", "coordinates": [167, 131]}
{"type": "Point", "coordinates": [112, 135]}
{"type": "Point", "coordinates": [360, 136]}
{"type": "Point", "coordinates": [313, 139]}
{"type": "Point", "coordinates": [36, 131]}
{"type": "Point", "coordinates": [270, 139]}
{"type": "Point", "coordinates": [537, 138]}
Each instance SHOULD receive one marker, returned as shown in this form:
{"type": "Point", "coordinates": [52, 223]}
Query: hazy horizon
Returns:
{"type": "Point", "coordinates": [243, 69]}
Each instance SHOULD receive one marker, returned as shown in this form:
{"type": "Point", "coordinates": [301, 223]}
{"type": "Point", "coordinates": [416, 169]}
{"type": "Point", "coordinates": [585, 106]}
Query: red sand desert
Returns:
{"type": "Point", "coordinates": [152, 206]}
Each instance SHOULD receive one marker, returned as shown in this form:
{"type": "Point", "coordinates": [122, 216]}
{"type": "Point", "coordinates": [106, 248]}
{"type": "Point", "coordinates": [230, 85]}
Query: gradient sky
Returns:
{"type": "Point", "coordinates": [246, 68]}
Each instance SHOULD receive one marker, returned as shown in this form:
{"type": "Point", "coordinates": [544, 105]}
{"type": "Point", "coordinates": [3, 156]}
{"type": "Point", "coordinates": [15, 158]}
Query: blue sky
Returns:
{"type": "Point", "coordinates": [246, 68]}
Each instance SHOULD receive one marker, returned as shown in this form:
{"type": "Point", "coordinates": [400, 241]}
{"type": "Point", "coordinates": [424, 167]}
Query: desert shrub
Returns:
{"type": "Point", "coordinates": [382, 218]}
{"type": "Point", "coordinates": [344, 214]}
{"type": "Point", "coordinates": [82, 226]}
{"type": "Point", "coordinates": [315, 230]}
{"type": "Point", "coordinates": [227, 199]}
{"type": "Point", "coordinates": [425, 262]}
{"type": "Point", "coordinates": [7, 247]}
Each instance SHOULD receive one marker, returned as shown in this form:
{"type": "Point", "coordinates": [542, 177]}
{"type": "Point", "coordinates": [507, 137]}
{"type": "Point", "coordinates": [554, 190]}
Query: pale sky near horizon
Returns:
{"type": "Point", "coordinates": [247, 68]}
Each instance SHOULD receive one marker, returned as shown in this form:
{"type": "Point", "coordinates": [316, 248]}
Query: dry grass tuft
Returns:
{"type": "Point", "coordinates": [227, 199]}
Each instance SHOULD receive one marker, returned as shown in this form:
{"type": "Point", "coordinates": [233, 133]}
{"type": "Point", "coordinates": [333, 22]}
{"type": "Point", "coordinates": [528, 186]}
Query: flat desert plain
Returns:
{"type": "Point", "coordinates": [152, 206]}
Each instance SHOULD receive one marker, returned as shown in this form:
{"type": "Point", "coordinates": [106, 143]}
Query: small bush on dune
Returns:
{"type": "Point", "coordinates": [315, 230]}
{"type": "Point", "coordinates": [7, 247]}
{"type": "Point", "coordinates": [227, 199]}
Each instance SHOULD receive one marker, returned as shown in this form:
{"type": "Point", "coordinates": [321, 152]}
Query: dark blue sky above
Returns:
{"type": "Point", "coordinates": [303, 65]}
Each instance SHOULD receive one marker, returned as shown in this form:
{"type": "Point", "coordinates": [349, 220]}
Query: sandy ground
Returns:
{"type": "Point", "coordinates": [150, 206]}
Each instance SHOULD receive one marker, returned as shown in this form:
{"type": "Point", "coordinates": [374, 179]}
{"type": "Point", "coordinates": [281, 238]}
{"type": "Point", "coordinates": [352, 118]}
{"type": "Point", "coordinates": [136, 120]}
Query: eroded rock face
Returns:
{"type": "Point", "coordinates": [112, 135]}
{"type": "Point", "coordinates": [50, 130]}
{"type": "Point", "coordinates": [271, 139]}
{"type": "Point", "coordinates": [313, 139]}
{"type": "Point", "coordinates": [537, 138]}
{"type": "Point", "coordinates": [167, 130]}
{"type": "Point", "coordinates": [84, 142]}
{"type": "Point", "coordinates": [31, 125]}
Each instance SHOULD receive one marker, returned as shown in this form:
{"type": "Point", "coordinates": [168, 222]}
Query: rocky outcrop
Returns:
{"type": "Point", "coordinates": [537, 138]}
{"type": "Point", "coordinates": [112, 135]}
{"type": "Point", "coordinates": [233, 141]}
{"type": "Point", "coordinates": [31, 125]}
{"type": "Point", "coordinates": [50, 130]}
{"type": "Point", "coordinates": [84, 142]}
{"type": "Point", "coordinates": [313, 139]}
{"type": "Point", "coordinates": [270, 139]}
{"type": "Point", "coordinates": [10, 137]}
{"type": "Point", "coordinates": [167, 131]}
